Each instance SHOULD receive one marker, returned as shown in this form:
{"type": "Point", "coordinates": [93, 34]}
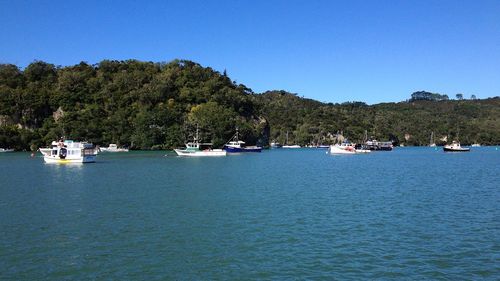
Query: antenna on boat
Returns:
{"type": "Point", "coordinates": [235, 137]}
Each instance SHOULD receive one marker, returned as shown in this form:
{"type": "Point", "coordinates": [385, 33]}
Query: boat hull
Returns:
{"type": "Point", "coordinates": [230, 149]}
{"type": "Point", "coordinates": [338, 150]}
{"type": "Point", "coordinates": [384, 148]}
{"type": "Point", "coordinates": [462, 149]}
{"type": "Point", "coordinates": [57, 160]}
{"type": "Point", "coordinates": [207, 153]}
{"type": "Point", "coordinates": [102, 149]}
{"type": "Point", "coordinates": [322, 146]}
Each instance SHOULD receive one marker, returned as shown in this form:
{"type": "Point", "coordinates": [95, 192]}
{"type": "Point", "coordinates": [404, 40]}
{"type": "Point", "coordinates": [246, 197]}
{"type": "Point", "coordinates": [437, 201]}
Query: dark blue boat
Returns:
{"type": "Point", "coordinates": [232, 149]}
{"type": "Point", "coordinates": [237, 146]}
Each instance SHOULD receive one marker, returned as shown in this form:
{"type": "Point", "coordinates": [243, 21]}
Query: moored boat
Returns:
{"type": "Point", "coordinates": [197, 149]}
{"type": "Point", "coordinates": [69, 151]}
{"type": "Point", "coordinates": [347, 147]}
{"type": "Point", "coordinates": [361, 150]}
{"type": "Point", "coordinates": [336, 149]}
{"type": "Point", "coordinates": [113, 148]}
{"type": "Point", "coordinates": [322, 146]}
{"type": "Point", "coordinates": [289, 145]}
{"type": "Point", "coordinates": [275, 144]}
{"type": "Point", "coordinates": [379, 145]}
{"type": "Point", "coordinates": [455, 147]}
{"type": "Point", "coordinates": [6, 150]}
{"type": "Point", "coordinates": [342, 148]}
{"type": "Point", "coordinates": [236, 146]}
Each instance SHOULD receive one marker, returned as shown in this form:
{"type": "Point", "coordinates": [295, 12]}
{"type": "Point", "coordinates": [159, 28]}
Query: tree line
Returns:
{"type": "Point", "coordinates": [148, 105]}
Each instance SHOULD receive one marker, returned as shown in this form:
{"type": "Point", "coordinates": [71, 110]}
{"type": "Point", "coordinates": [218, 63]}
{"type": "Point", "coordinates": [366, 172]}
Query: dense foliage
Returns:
{"type": "Point", "coordinates": [409, 123]}
{"type": "Point", "coordinates": [423, 95]}
{"type": "Point", "coordinates": [146, 105]}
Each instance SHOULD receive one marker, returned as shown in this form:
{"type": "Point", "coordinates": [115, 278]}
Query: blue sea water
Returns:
{"type": "Point", "coordinates": [409, 214]}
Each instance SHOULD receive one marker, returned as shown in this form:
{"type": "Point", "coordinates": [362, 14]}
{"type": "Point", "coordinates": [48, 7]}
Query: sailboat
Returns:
{"type": "Point", "coordinates": [289, 146]}
{"type": "Point", "coordinates": [432, 143]}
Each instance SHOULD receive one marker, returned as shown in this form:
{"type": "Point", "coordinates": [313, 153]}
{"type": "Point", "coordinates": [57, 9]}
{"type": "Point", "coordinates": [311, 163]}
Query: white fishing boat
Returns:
{"type": "Point", "coordinates": [6, 150]}
{"type": "Point", "coordinates": [197, 149]}
{"type": "Point", "coordinates": [455, 147]}
{"type": "Point", "coordinates": [476, 145]}
{"type": "Point", "coordinates": [69, 151]}
{"type": "Point", "coordinates": [113, 148]}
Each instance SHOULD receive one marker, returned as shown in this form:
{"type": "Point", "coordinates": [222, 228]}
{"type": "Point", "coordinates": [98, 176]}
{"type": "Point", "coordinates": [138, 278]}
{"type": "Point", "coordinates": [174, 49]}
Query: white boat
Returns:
{"type": "Point", "coordinates": [6, 150]}
{"type": "Point", "coordinates": [346, 148]}
{"type": "Point", "coordinates": [197, 149]}
{"type": "Point", "coordinates": [69, 151]}
{"type": "Point", "coordinates": [113, 148]}
{"type": "Point", "coordinates": [455, 147]}
{"type": "Point", "coordinates": [289, 145]}
{"type": "Point", "coordinates": [275, 145]}
{"type": "Point", "coordinates": [475, 145]}
{"type": "Point", "coordinates": [336, 149]}
{"type": "Point", "coordinates": [342, 148]}
{"type": "Point", "coordinates": [361, 151]}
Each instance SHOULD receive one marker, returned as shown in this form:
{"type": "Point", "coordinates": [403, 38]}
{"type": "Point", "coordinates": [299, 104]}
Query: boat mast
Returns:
{"type": "Point", "coordinates": [196, 137]}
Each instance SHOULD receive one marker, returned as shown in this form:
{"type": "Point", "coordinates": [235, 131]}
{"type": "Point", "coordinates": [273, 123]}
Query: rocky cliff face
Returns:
{"type": "Point", "coordinates": [264, 131]}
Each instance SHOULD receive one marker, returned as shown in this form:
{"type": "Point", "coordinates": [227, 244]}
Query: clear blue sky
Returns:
{"type": "Point", "coordinates": [333, 51]}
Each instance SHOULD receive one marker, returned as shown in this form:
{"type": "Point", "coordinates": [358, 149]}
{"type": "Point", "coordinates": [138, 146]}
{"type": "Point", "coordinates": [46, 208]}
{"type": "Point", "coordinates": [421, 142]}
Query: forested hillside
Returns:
{"type": "Point", "coordinates": [146, 105]}
{"type": "Point", "coordinates": [138, 104]}
{"type": "Point", "coordinates": [409, 123]}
